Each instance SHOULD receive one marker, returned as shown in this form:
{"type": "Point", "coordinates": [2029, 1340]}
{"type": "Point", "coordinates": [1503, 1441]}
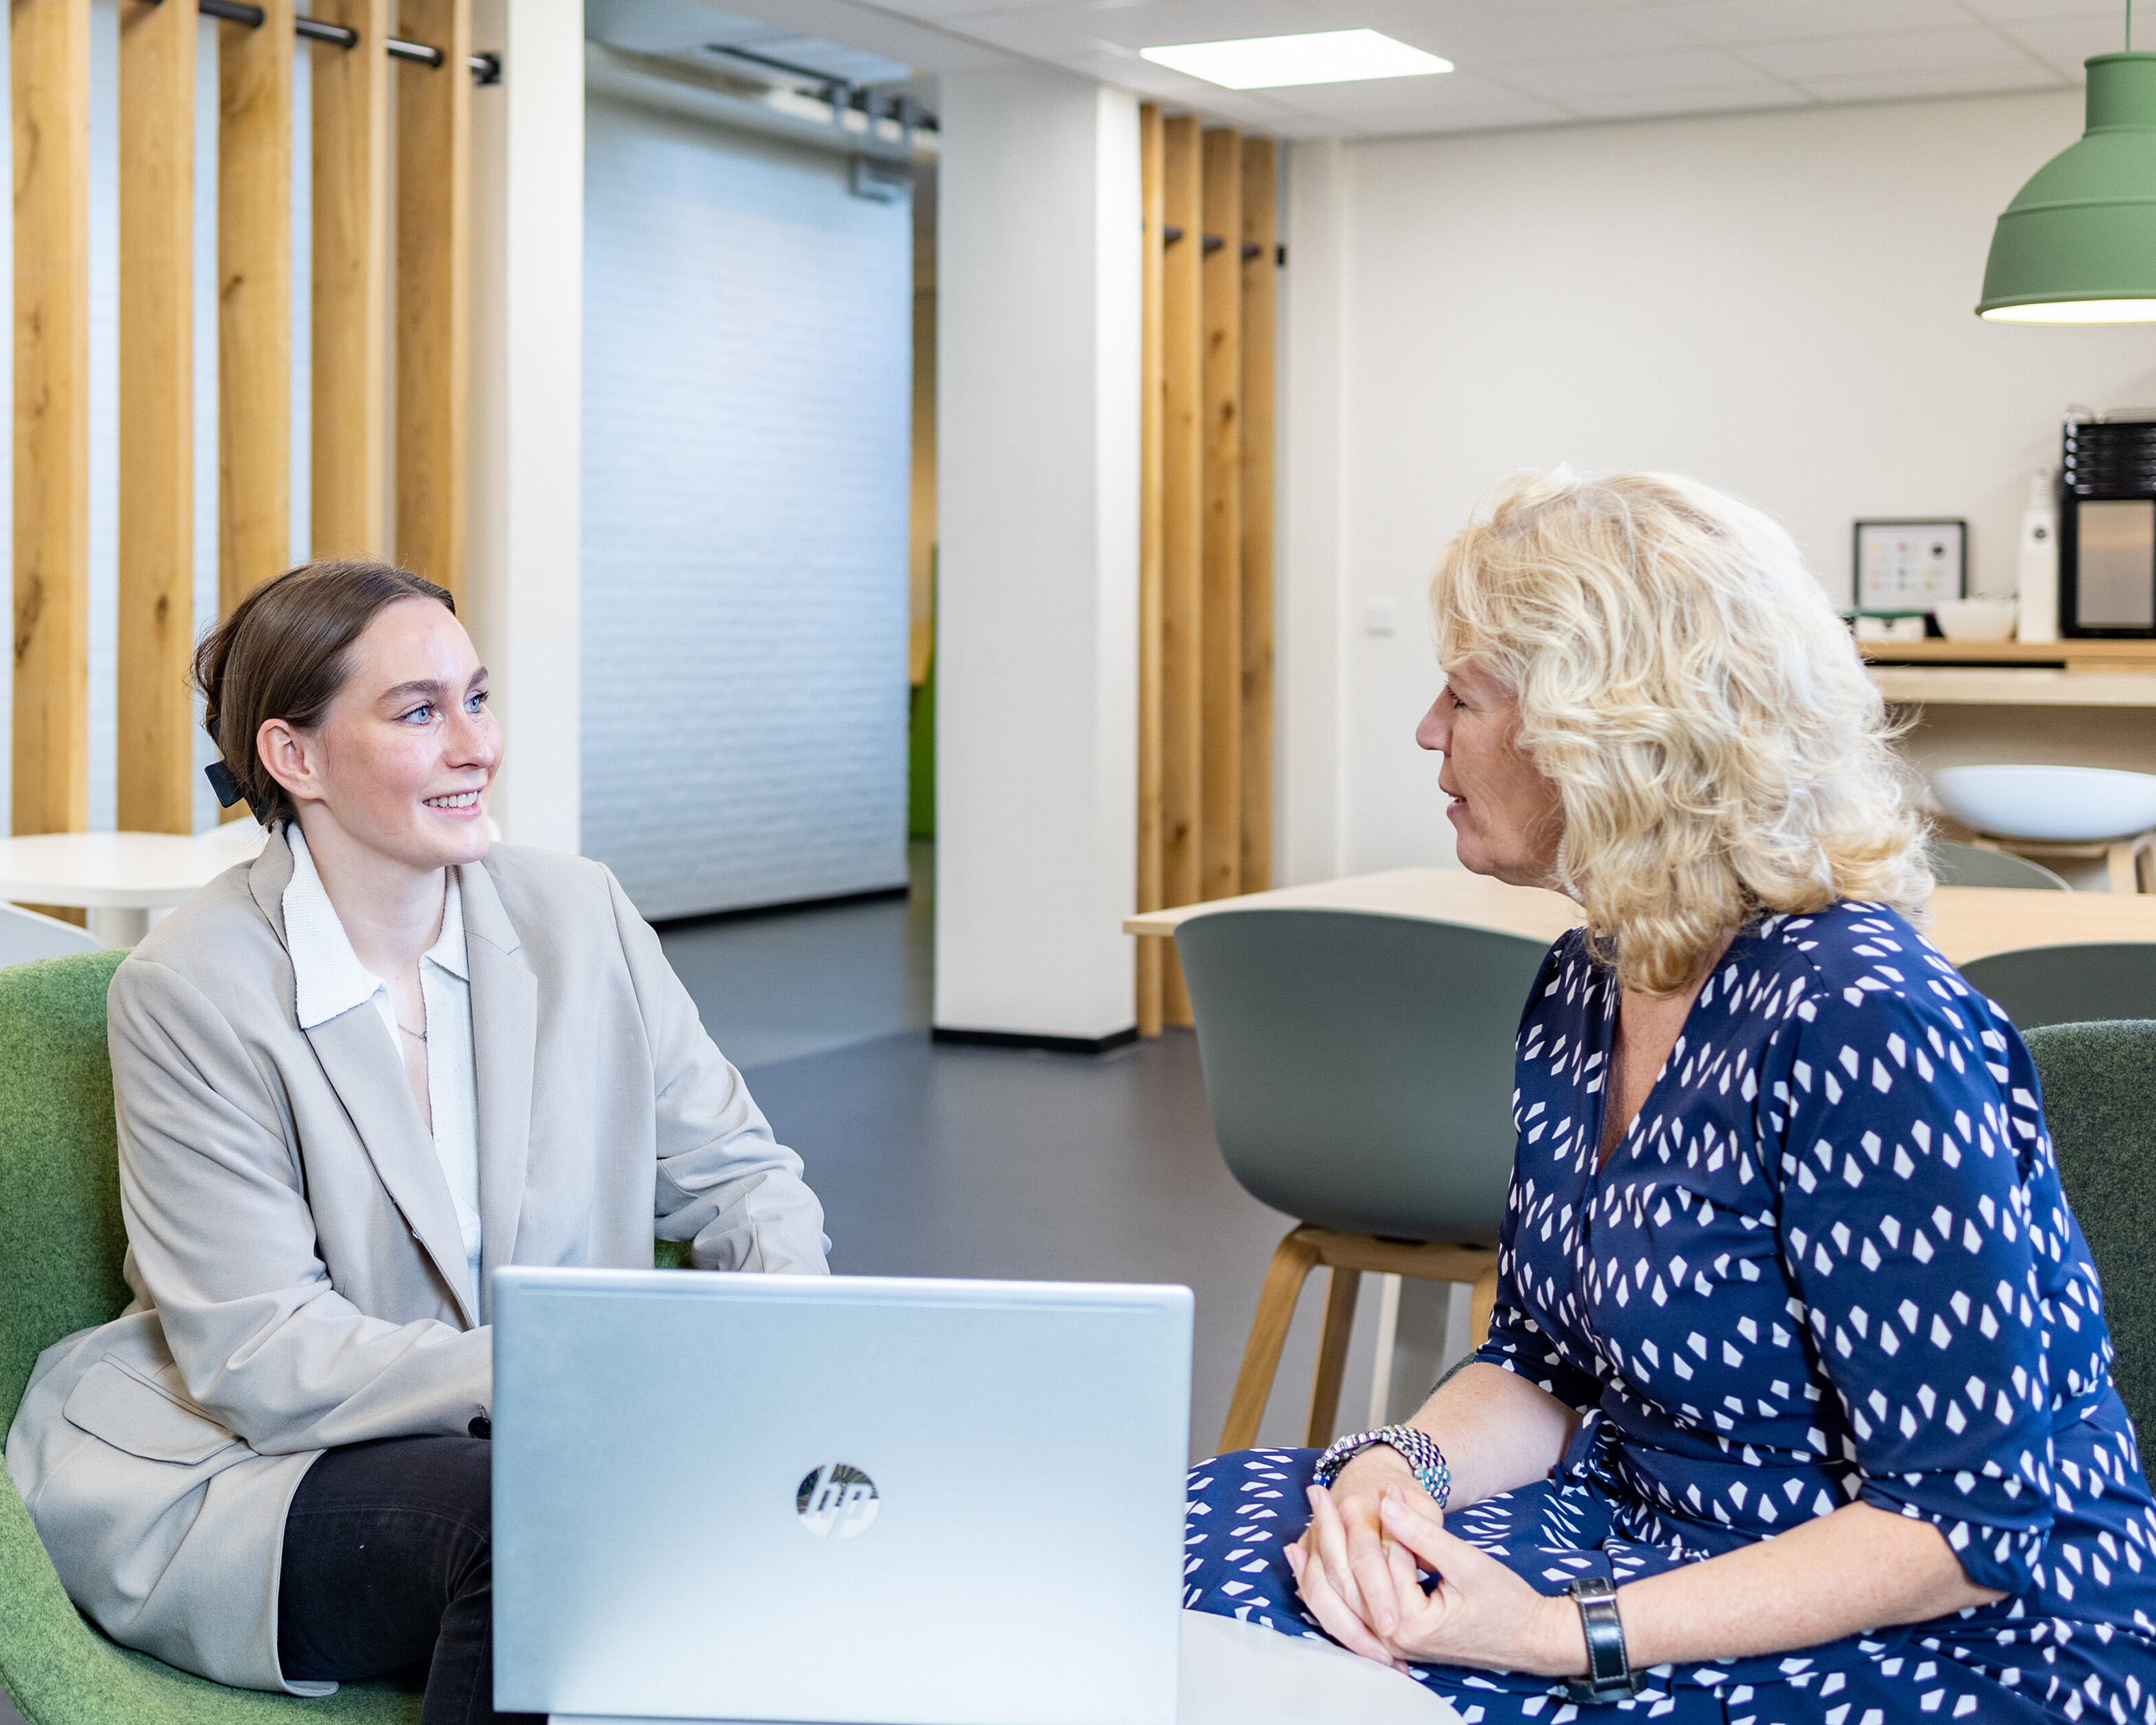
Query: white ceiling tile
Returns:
{"type": "Point", "coordinates": [1870, 56]}
{"type": "Point", "coordinates": [2063, 43]}
{"type": "Point", "coordinates": [1048, 34]}
{"type": "Point", "coordinates": [2014, 11]}
{"type": "Point", "coordinates": [1496, 117]}
{"type": "Point", "coordinates": [1670, 104]}
{"type": "Point", "coordinates": [928, 11]}
{"type": "Point", "coordinates": [1159, 23]}
{"type": "Point", "coordinates": [1563, 80]}
{"type": "Point", "coordinates": [1729, 22]}
{"type": "Point", "coordinates": [1494, 37]}
{"type": "Point", "coordinates": [1452, 92]}
{"type": "Point", "coordinates": [1897, 87]}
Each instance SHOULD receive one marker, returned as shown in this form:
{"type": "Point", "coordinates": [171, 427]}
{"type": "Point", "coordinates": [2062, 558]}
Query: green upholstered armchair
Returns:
{"type": "Point", "coordinates": [2100, 1104]}
{"type": "Point", "coordinates": [61, 1245]}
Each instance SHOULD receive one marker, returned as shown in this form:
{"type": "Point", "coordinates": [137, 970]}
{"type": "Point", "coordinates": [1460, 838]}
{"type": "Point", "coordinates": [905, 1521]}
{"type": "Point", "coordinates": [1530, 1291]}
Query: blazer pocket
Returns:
{"type": "Point", "coordinates": [129, 1414]}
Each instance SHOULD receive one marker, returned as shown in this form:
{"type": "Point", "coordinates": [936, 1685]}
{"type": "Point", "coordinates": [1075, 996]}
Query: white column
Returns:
{"type": "Point", "coordinates": [1038, 357]}
{"type": "Point", "coordinates": [523, 558]}
{"type": "Point", "coordinates": [1310, 634]}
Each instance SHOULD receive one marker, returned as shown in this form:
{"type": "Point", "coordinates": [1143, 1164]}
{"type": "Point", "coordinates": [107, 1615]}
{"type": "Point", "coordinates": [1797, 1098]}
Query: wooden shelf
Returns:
{"type": "Point", "coordinates": [2075, 656]}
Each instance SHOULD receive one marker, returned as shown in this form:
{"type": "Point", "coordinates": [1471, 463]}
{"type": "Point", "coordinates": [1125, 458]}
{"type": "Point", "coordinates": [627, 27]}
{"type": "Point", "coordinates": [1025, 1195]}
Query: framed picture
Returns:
{"type": "Point", "coordinates": [1910, 565]}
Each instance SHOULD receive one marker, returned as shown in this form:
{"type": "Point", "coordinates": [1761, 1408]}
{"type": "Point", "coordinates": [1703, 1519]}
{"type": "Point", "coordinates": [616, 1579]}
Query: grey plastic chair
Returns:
{"type": "Point", "coordinates": [2069, 985]}
{"type": "Point", "coordinates": [1359, 1067]}
{"type": "Point", "coordinates": [1959, 864]}
{"type": "Point", "coordinates": [2098, 1102]}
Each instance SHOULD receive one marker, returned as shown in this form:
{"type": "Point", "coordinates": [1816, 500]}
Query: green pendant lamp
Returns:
{"type": "Point", "coordinates": [2078, 245]}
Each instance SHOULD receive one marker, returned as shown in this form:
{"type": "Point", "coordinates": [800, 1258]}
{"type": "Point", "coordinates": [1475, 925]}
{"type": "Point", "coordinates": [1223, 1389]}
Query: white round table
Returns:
{"type": "Point", "coordinates": [126, 881]}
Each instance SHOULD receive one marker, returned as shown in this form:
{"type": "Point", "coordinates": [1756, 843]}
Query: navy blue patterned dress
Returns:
{"type": "Point", "coordinates": [1831, 1259]}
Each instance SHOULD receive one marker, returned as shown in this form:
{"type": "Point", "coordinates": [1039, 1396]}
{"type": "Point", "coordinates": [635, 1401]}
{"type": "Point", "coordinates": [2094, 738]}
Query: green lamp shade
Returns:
{"type": "Point", "coordinates": [2078, 245]}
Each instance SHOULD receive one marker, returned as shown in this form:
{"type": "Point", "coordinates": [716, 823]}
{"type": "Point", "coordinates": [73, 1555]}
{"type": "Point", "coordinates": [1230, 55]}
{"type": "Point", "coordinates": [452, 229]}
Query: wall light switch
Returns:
{"type": "Point", "coordinates": [1380, 617]}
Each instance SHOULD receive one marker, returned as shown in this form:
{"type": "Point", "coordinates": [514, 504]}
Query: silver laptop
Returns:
{"type": "Point", "coordinates": [849, 1500]}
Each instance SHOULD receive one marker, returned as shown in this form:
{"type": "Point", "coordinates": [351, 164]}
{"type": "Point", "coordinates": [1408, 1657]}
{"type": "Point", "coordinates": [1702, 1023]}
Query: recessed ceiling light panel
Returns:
{"type": "Point", "coordinates": [1275, 62]}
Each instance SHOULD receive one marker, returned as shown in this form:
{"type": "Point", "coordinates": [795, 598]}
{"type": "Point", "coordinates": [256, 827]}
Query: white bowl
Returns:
{"type": "Point", "coordinates": [2071, 805]}
{"type": "Point", "coordinates": [1977, 619]}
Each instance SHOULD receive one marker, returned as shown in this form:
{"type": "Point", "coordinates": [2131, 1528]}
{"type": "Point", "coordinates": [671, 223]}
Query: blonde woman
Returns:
{"type": "Point", "coordinates": [1796, 1406]}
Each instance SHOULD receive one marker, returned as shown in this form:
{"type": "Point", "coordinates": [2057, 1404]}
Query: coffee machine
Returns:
{"type": "Point", "coordinates": [2108, 526]}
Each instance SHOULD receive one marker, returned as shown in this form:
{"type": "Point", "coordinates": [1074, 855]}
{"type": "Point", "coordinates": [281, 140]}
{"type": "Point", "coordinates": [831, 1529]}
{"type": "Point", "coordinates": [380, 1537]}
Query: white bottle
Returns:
{"type": "Point", "coordinates": [2040, 562]}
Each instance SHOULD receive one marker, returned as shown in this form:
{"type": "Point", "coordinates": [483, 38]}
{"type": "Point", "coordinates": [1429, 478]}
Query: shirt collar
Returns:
{"type": "Point", "coordinates": [328, 979]}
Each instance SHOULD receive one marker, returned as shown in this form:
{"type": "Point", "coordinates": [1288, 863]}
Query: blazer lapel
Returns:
{"type": "Point", "coordinates": [505, 1011]}
{"type": "Point", "coordinates": [363, 1069]}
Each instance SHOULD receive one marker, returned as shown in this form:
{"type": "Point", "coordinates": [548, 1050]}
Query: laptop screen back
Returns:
{"type": "Point", "coordinates": [801, 1498]}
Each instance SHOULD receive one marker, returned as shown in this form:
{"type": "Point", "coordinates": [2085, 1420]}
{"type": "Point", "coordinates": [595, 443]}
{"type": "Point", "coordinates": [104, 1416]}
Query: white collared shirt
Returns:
{"type": "Point", "coordinates": [330, 981]}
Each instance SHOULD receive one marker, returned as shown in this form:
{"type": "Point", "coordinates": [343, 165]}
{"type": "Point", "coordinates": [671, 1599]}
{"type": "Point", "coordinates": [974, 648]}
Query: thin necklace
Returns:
{"type": "Point", "coordinates": [410, 1031]}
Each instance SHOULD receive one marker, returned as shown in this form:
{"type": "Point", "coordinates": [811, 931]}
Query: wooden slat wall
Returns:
{"type": "Point", "coordinates": [1152, 144]}
{"type": "Point", "coordinates": [254, 303]}
{"type": "Point", "coordinates": [349, 389]}
{"type": "Point", "coordinates": [1182, 503]}
{"type": "Point", "coordinates": [49, 75]}
{"type": "Point", "coordinates": [1205, 581]}
{"type": "Point", "coordinates": [1221, 629]}
{"type": "Point", "coordinates": [434, 228]}
{"type": "Point", "coordinates": [156, 416]}
{"type": "Point", "coordinates": [1260, 236]}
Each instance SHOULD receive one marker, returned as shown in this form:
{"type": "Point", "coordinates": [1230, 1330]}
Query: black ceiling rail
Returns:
{"type": "Point", "coordinates": [485, 68]}
{"type": "Point", "coordinates": [837, 92]}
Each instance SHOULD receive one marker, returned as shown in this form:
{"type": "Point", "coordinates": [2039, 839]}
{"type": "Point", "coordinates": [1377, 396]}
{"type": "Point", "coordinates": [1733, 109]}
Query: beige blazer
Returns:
{"type": "Point", "coordinates": [299, 1277]}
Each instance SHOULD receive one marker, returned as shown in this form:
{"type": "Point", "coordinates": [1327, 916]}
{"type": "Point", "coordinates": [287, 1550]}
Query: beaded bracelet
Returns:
{"type": "Point", "coordinates": [1419, 1449]}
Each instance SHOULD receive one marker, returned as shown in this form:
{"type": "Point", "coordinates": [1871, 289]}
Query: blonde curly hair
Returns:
{"type": "Point", "coordinates": [1701, 709]}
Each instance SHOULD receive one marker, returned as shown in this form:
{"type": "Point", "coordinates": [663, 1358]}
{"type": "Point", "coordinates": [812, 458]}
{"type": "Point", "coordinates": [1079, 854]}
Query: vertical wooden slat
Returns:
{"type": "Point", "coordinates": [1261, 235]}
{"type": "Point", "coordinates": [1152, 206]}
{"type": "Point", "coordinates": [154, 781]}
{"type": "Point", "coordinates": [49, 75]}
{"type": "Point", "coordinates": [1221, 793]}
{"type": "Point", "coordinates": [349, 437]}
{"type": "Point", "coordinates": [254, 303]}
{"type": "Point", "coordinates": [1182, 369]}
{"type": "Point", "coordinates": [434, 250]}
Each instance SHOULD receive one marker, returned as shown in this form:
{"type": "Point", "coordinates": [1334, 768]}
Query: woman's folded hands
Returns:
{"type": "Point", "coordinates": [1359, 1568]}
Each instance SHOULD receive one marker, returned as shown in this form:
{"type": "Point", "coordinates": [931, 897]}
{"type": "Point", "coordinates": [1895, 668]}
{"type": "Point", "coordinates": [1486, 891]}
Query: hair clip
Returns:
{"type": "Point", "coordinates": [223, 783]}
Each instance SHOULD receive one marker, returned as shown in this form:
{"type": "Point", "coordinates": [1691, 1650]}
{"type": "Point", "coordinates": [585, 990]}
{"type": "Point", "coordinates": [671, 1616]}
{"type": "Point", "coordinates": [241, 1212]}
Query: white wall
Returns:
{"type": "Point", "coordinates": [747, 377]}
{"type": "Point", "coordinates": [522, 559]}
{"type": "Point", "coordinates": [1778, 304]}
{"type": "Point", "coordinates": [1037, 347]}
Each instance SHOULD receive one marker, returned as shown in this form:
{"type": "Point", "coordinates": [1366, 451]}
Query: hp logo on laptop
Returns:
{"type": "Point", "coordinates": [837, 1499]}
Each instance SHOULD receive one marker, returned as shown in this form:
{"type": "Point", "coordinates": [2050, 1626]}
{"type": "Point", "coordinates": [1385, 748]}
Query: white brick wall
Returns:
{"type": "Point", "coordinates": [746, 367]}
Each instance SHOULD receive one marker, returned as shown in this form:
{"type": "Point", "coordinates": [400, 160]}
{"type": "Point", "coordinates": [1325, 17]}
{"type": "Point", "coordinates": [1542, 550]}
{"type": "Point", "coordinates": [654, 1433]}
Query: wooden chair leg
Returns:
{"type": "Point", "coordinates": [1341, 1288]}
{"type": "Point", "coordinates": [2122, 875]}
{"type": "Point", "coordinates": [1481, 1304]}
{"type": "Point", "coordinates": [1292, 1259]}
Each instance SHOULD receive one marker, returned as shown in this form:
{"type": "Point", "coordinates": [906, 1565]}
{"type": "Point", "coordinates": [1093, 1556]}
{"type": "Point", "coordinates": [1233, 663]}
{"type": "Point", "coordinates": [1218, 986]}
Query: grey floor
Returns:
{"type": "Point", "coordinates": [940, 1160]}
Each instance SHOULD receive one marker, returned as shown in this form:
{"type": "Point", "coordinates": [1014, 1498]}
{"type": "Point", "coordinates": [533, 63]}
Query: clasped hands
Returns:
{"type": "Point", "coordinates": [1356, 1565]}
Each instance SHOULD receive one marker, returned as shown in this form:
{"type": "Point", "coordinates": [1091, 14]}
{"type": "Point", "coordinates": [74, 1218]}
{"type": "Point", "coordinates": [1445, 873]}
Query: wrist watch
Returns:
{"type": "Point", "coordinates": [1419, 1449]}
{"type": "Point", "coordinates": [1609, 1675]}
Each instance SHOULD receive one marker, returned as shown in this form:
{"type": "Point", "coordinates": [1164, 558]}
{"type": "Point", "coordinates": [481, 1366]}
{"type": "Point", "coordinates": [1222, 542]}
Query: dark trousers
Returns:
{"type": "Point", "coordinates": [389, 1569]}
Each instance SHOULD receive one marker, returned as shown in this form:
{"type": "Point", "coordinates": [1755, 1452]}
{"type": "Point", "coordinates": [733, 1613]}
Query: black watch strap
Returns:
{"type": "Point", "coordinates": [1609, 1672]}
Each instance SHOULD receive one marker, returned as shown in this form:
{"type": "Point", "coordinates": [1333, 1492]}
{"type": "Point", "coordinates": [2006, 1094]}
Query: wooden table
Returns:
{"type": "Point", "coordinates": [1967, 922]}
{"type": "Point", "coordinates": [122, 878]}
